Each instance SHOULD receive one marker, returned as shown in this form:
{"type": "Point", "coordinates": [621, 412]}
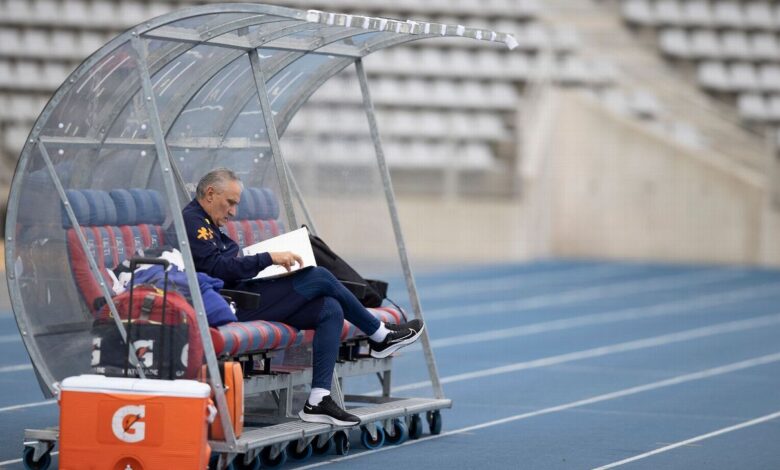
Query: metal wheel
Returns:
{"type": "Point", "coordinates": [29, 464]}
{"type": "Point", "coordinates": [400, 432]}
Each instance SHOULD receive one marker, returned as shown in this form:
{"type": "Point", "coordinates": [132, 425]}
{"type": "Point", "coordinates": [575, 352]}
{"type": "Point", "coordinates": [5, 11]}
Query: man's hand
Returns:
{"type": "Point", "coordinates": [286, 258]}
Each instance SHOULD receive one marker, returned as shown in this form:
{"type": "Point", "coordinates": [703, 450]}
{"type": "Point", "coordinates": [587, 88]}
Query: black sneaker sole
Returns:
{"type": "Point", "coordinates": [325, 419]}
{"type": "Point", "coordinates": [391, 349]}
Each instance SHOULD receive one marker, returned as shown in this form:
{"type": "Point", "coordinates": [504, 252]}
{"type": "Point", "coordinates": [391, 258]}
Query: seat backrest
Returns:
{"type": "Point", "coordinates": [116, 225]}
{"type": "Point", "coordinates": [257, 218]}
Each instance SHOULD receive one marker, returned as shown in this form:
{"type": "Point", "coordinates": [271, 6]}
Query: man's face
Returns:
{"type": "Point", "coordinates": [222, 205]}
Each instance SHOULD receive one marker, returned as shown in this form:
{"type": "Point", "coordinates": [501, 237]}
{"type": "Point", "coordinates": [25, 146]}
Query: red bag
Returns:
{"type": "Point", "coordinates": [172, 350]}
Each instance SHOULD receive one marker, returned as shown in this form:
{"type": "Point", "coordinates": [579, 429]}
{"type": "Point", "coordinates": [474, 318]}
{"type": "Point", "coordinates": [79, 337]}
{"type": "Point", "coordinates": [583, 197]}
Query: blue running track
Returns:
{"type": "Point", "coordinates": [559, 364]}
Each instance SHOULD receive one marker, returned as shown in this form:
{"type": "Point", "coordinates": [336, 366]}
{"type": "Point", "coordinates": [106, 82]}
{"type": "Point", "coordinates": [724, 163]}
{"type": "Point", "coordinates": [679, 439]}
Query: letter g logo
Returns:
{"type": "Point", "coordinates": [127, 423]}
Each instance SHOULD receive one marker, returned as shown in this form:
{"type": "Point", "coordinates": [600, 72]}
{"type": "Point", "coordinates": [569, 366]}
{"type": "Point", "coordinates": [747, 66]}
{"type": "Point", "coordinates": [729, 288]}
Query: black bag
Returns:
{"type": "Point", "coordinates": [369, 292]}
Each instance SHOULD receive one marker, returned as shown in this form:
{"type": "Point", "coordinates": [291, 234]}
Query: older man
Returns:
{"type": "Point", "coordinates": [309, 299]}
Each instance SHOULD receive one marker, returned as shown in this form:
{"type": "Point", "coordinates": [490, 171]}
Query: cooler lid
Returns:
{"type": "Point", "coordinates": [99, 383]}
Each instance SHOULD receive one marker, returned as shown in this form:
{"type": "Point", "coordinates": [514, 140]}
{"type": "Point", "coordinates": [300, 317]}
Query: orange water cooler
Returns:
{"type": "Point", "coordinates": [110, 423]}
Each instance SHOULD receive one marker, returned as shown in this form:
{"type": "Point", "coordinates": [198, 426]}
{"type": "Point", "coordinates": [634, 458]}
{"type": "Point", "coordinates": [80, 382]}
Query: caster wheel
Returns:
{"type": "Point", "coordinates": [368, 442]}
{"type": "Point", "coordinates": [27, 459]}
{"type": "Point", "coordinates": [292, 451]}
{"type": "Point", "coordinates": [238, 464]}
{"type": "Point", "coordinates": [268, 462]}
{"type": "Point", "coordinates": [214, 460]}
{"type": "Point", "coordinates": [401, 432]}
{"type": "Point", "coordinates": [341, 442]}
{"type": "Point", "coordinates": [434, 421]}
{"type": "Point", "coordinates": [415, 427]}
{"type": "Point", "coordinates": [324, 449]}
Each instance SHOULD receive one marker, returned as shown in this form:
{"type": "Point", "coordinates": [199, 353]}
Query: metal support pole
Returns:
{"type": "Point", "coordinates": [281, 167]}
{"type": "Point", "coordinates": [273, 138]}
{"type": "Point", "coordinates": [399, 238]}
{"type": "Point", "coordinates": [299, 197]}
{"type": "Point", "coordinates": [133, 357]}
{"type": "Point", "coordinates": [181, 233]}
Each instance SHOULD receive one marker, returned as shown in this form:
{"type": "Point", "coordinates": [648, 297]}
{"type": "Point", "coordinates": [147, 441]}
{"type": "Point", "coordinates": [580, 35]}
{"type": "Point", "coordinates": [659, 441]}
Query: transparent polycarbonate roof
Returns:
{"type": "Point", "coordinates": [122, 141]}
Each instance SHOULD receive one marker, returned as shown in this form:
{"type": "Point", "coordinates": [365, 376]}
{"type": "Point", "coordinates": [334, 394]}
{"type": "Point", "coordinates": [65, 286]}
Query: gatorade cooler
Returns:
{"type": "Point", "coordinates": [111, 423]}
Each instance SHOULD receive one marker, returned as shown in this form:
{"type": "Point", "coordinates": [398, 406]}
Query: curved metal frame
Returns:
{"type": "Point", "coordinates": [218, 34]}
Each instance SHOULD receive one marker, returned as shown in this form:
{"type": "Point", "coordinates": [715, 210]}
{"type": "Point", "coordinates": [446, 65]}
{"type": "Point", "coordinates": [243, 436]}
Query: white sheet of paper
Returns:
{"type": "Point", "coordinates": [296, 241]}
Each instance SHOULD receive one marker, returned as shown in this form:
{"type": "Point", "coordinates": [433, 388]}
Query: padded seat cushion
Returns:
{"type": "Point", "coordinates": [242, 337]}
{"type": "Point", "coordinates": [117, 224]}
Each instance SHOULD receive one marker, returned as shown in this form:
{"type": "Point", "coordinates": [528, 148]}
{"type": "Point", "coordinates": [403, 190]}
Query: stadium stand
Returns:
{"type": "Point", "coordinates": [41, 41]}
{"type": "Point", "coordinates": [733, 47]}
{"type": "Point", "coordinates": [703, 74]}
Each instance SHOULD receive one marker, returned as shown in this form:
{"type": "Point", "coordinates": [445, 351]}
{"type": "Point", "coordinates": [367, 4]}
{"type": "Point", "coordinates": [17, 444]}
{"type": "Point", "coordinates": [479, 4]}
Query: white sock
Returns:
{"type": "Point", "coordinates": [380, 333]}
{"type": "Point", "coordinates": [316, 395]}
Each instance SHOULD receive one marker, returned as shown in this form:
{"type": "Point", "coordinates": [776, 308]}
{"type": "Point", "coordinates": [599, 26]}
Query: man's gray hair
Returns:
{"type": "Point", "coordinates": [215, 178]}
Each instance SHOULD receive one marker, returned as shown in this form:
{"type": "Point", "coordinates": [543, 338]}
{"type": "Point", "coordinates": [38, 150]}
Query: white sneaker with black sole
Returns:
{"type": "Point", "coordinates": [327, 412]}
{"type": "Point", "coordinates": [397, 339]}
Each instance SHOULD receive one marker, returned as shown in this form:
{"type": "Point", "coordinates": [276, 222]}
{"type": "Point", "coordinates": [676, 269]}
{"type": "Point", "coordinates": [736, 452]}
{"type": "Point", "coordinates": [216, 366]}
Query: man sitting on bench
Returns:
{"type": "Point", "coordinates": [309, 299]}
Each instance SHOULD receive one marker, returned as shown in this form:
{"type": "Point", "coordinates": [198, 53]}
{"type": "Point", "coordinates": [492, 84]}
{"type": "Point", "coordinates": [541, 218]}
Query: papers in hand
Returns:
{"type": "Point", "coordinates": [296, 241]}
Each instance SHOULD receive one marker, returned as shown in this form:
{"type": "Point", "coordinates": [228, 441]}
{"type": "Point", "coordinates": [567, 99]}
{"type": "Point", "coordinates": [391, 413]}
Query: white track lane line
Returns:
{"type": "Point", "coordinates": [10, 338]}
{"type": "Point", "coordinates": [736, 427]}
{"type": "Point", "coordinates": [9, 462]}
{"type": "Point", "coordinates": [623, 314]}
{"type": "Point", "coordinates": [524, 280]}
{"type": "Point", "coordinates": [27, 405]}
{"type": "Point", "coordinates": [15, 368]}
{"type": "Point", "coordinates": [704, 374]}
{"type": "Point", "coordinates": [644, 343]}
{"type": "Point", "coordinates": [585, 294]}
{"type": "Point", "coordinates": [554, 360]}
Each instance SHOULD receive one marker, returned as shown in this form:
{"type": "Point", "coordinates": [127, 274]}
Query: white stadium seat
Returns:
{"type": "Point", "coordinates": [752, 107]}
{"type": "Point", "coordinates": [50, 11]}
{"type": "Point", "coordinates": [758, 15]}
{"type": "Point", "coordinates": [638, 12]}
{"type": "Point", "coordinates": [734, 45]}
{"type": "Point", "coordinates": [769, 77]}
{"type": "Point", "coordinates": [764, 46]}
{"type": "Point", "coordinates": [704, 44]}
{"type": "Point", "coordinates": [697, 13]}
{"type": "Point", "coordinates": [9, 40]}
{"type": "Point", "coordinates": [728, 14]}
{"type": "Point", "coordinates": [6, 74]}
{"type": "Point", "coordinates": [668, 12]}
{"type": "Point", "coordinates": [743, 77]}
{"type": "Point", "coordinates": [674, 42]}
{"type": "Point", "coordinates": [713, 75]}
{"type": "Point", "coordinates": [773, 108]}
